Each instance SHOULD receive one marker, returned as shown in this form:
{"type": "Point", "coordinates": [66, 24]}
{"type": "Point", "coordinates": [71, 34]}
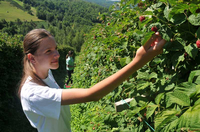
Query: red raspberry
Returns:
{"type": "Point", "coordinates": [154, 28]}
{"type": "Point", "coordinates": [142, 18]}
{"type": "Point", "coordinates": [198, 43]}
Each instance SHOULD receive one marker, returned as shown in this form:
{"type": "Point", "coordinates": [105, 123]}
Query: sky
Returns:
{"type": "Point", "coordinates": [113, 0]}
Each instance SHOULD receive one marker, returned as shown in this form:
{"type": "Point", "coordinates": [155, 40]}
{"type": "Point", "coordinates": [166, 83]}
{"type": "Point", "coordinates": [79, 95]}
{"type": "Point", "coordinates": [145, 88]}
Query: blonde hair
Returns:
{"type": "Point", "coordinates": [31, 44]}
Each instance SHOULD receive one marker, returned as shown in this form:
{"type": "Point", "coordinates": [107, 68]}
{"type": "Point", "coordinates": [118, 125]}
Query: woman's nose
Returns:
{"type": "Point", "coordinates": [56, 54]}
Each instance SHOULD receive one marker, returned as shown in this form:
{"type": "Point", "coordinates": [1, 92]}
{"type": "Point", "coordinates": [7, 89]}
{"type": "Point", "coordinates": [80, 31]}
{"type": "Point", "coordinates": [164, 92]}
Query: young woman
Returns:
{"type": "Point", "coordinates": [44, 103]}
{"type": "Point", "coordinates": [69, 66]}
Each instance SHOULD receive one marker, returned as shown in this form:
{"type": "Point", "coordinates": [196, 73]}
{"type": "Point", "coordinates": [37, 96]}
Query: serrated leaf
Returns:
{"type": "Point", "coordinates": [178, 9]}
{"type": "Point", "coordinates": [151, 107]}
{"type": "Point", "coordinates": [134, 1]}
{"type": "Point", "coordinates": [143, 75]}
{"type": "Point", "coordinates": [190, 118]}
{"type": "Point", "coordinates": [165, 117]}
{"type": "Point", "coordinates": [174, 46]}
{"type": "Point", "coordinates": [178, 19]}
{"type": "Point", "coordinates": [198, 89]}
{"type": "Point", "coordinates": [133, 102]}
{"type": "Point", "coordinates": [194, 20]}
{"type": "Point", "coordinates": [169, 87]}
{"type": "Point", "coordinates": [128, 60]}
{"type": "Point", "coordinates": [158, 98]}
{"type": "Point", "coordinates": [153, 75]}
{"type": "Point", "coordinates": [197, 80]}
{"type": "Point", "coordinates": [191, 50]}
{"type": "Point", "coordinates": [197, 102]}
{"type": "Point", "coordinates": [123, 61]}
{"type": "Point", "coordinates": [198, 33]}
{"type": "Point", "coordinates": [147, 37]}
{"type": "Point", "coordinates": [142, 86]}
{"type": "Point", "coordinates": [141, 101]}
{"type": "Point", "coordinates": [166, 12]}
{"type": "Point", "coordinates": [178, 98]}
{"type": "Point", "coordinates": [193, 8]}
{"type": "Point", "coordinates": [157, 5]}
{"type": "Point", "coordinates": [177, 58]}
{"type": "Point", "coordinates": [166, 33]}
{"type": "Point", "coordinates": [193, 74]}
{"type": "Point", "coordinates": [187, 88]}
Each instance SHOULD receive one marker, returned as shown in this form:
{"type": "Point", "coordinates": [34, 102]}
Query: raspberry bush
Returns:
{"type": "Point", "coordinates": [166, 91]}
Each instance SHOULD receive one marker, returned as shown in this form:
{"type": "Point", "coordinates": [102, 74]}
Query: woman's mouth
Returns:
{"type": "Point", "coordinates": [55, 61]}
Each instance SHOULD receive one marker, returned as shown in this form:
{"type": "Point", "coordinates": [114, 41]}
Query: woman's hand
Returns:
{"type": "Point", "coordinates": [151, 48]}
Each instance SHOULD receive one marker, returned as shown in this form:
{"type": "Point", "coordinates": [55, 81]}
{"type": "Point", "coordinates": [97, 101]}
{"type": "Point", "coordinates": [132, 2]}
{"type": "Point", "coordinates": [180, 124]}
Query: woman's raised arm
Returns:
{"type": "Point", "coordinates": [144, 54]}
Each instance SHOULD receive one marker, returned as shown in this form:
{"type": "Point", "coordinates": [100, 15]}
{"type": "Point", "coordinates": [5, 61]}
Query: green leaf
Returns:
{"type": "Point", "coordinates": [198, 89]}
{"type": "Point", "coordinates": [135, 110]}
{"type": "Point", "coordinates": [123, 61]}
{"type": "Point", "coordinates": [191, 50]}
{"type": "Point", "coordinates": [141, 101]}
{"type": "Point", "coordinates": [157, 5]}
{"type": "Point", "coordinates": [165, 117]}
{"type": "Point", "coordinates": [178, 98]}
{"type": "Point", "coordinates": [191, 118]}
{"type": "Point", "coordinates": [193, 8]}
{"type": "Point", "coordinates": [153, 75]}
{"type": "Point", "coordinates": [178, 19]}
{"type": "Point", "coordinates": [188, 89]}
{"type": "Point", "coordinates": [177, 58]}
{"type": "Point", "coordinates": [198, 33]}
{"type": "Point", "coordinates": [197, 102]}
{"type": "Point", "coordinates": [193, 74]}
{"type": "Point", "coordinates": [169, 87]}
{"type": "Point", "coordinates": [174, 46]}
{"type": "Point", "coordinates": [178, 9]}
{"type": "Point", "coordinates": [142, 86]}
{"type": "Point", "coordinates": [166, 12]}
{"type": "Point", "coordinates": [134, 1]}
{"type": "Point", "coordinates": [147, 37]}
{"type": "Point", "coordinates": [143, 75]}
{"type": "Point", "coordinates": [133, 102]}
{"type": "Point", "coordinates": [197, 80]}
{"type": "Point", "coordinates": [194, 20]}
{"type": "Point", "coordinates": [151, 107]}
{"type": "Point", "coordinates": [158, 98]}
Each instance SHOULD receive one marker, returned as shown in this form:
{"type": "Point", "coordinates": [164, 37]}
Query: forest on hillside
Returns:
{"type": "Point", "coordinates": [67, 20]}
{"type": "Point", "coordinates": [104, 3]}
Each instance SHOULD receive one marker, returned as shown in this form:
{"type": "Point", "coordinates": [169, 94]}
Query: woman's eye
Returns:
{"type": "Point", "coordinates": [48, 51]}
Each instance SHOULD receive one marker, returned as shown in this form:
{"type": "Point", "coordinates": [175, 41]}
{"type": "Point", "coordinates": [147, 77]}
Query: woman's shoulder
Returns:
{"type": "Point", "coordinates": [30, 87]}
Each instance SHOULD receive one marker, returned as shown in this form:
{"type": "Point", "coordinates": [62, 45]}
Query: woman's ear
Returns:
{"type": "Point", "coordinates": [31, 58]}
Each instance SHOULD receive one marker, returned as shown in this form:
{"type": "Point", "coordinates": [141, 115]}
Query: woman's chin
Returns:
{"type": "Point", "coordinates": [55, 67]}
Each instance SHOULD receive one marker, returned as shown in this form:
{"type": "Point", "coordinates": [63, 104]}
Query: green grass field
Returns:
{"type": "Point", "coordinates": [11, 13]}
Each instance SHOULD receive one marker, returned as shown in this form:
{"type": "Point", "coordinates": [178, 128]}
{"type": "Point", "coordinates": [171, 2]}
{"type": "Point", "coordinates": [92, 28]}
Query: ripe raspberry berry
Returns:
{"type": "Point", "coordinates": [142, 18]}
{"type": "Point", "coordinates": [154, 28]}
{"type": "Point", "coordinates": [198, 43]}
{"type": "Point", "coordinates": [185, 54]}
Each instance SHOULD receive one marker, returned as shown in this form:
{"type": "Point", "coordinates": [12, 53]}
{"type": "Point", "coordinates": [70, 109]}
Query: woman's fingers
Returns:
{"type": "Point", "coordinates": [151, 41]}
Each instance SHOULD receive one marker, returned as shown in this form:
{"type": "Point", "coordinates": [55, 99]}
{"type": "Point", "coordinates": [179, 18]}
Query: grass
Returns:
{"type": "Point", "coordinates": [11, 13]}
{"type": "Point", "coordinates": [21, 4]}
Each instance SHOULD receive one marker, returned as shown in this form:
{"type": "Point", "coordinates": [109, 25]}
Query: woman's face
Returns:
{"type": "Point", "coordinates": [47, 56]}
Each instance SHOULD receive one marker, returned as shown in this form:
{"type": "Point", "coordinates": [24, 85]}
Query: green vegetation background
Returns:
{"type": "Point", "coordinates": [165, 92]}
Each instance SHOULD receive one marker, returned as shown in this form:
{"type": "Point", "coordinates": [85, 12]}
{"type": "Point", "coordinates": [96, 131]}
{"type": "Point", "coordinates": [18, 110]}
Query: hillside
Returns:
{"type": "Point", "coordinates": [11, 13]}
{"type": "Point", "coordinates": [104, 3]}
